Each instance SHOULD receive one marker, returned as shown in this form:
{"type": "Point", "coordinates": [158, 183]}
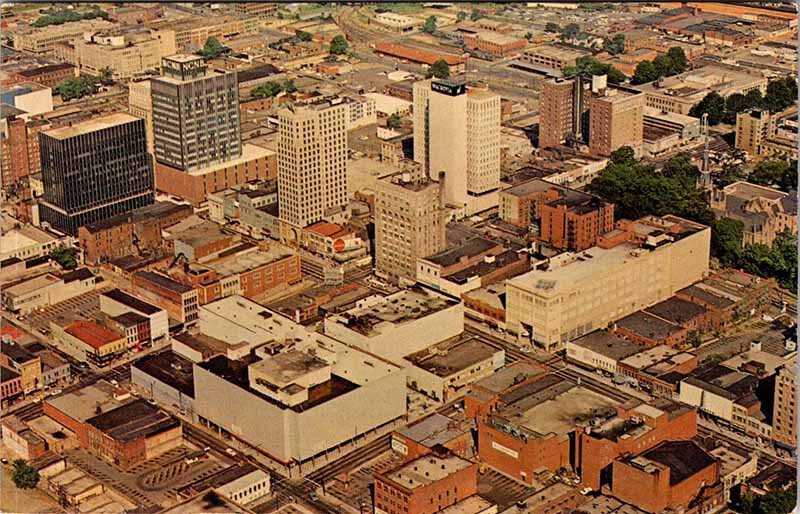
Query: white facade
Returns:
{"type": "Point", "coordinates": [248, 488]}
{"type": "Point", "coordinates": [159, 321]}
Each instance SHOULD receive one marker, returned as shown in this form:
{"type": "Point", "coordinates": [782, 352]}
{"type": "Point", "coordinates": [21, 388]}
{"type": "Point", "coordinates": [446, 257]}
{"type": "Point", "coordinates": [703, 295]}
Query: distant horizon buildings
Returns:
{"type": "Point", "coordinates": [95, 170]}
{"type": "Point", "coordinates": [457, 131]}
{"type": "Point", "coordinates": [312, 163]}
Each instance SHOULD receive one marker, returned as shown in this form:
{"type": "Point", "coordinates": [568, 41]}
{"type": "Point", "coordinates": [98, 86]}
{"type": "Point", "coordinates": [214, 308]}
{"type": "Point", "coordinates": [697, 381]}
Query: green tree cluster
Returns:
{"type": "Point", "coordinates": [429, 26]}
{"type": "Point", "coordinates": [339, 45]}
{"type": "Point", "coordinates": [212, 49]}
{"type": "Point", "coordinates": [551, 27]}
{"type": "Point", "coordinates": [440, 69]}
{"type": "Point", "coordinates": [671, 63]}
{"type": "Point", "coordinates": [475, 15]}
{"type": "Point", "coordinates": [615, 45]}
{"type": "Point", "coordinates": [76, 87]}
{"type": "Point", "coordinates": [24, 475]}
{"type": "Point", "coordinates": [304, 36]}
{"type": "Point", "coordinates": [781, 93]}
{"type": "Point", "coordinates": [588, 65]}
{"type": "Point", "coordinates": [774, 502]}
{"type": "Point", "coordinates": [61, 16]}
{"type": "Point", "coordinates": [638, 189]}
{"type": "Point", "coordinates": [775, 173]}
{"type": "Point", "coordinates": [66, 257]}
{"type": "Point", "coordinates": [570, 31]}
{"type": "Point", "coordinates": [273, 88]}
{"type": "Point", "coordinates": [394, 121]}
{"type": "Point", "coordinates": [462, 15]}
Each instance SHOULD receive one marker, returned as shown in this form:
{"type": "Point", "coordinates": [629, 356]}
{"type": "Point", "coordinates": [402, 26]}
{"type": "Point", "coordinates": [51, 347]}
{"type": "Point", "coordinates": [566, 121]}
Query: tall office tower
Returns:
{"type": "Point", "coordinates": [616, 119]}
{"type": "Point", "coordinates": [195, 114]}
{"type": "Point", "coordinates": [556, 112]}
{"type": "Point", "coordinates": [14, 160]}
{"type": "Point", "coordinates": [784, 416]}
{"type": "Point", "coordinates": [312, 163]}
{"type": "Point", "coordinates": [409, 223]}
{"type": "Point", "coordinates": [94, 170]}
{"type": "Point", "coordinates": [140, 104]}
{"type": "Point", "coordinates": [457, 131]}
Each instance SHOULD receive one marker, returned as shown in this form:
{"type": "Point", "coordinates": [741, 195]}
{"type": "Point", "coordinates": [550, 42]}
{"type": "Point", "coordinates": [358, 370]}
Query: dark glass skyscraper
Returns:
{"type": "Point", "coordinates": [94, 170]}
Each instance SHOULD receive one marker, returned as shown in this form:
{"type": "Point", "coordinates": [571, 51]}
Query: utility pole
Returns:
{"type": "Point", "coordinates": [705, 174]}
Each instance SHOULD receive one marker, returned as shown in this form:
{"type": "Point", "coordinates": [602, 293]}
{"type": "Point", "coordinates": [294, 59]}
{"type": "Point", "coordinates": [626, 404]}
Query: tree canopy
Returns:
{"type": "Point", "coordinates": [24, 475]}
{"type": "Point", "coordinates": [551, 27]}
{"type": "Point", "coordinates": [775, 173]}
{"type": "Point", "coordinates": [76, 87]}
{"type": "Point", "coordinates": [394, 121]}
{"type": "Point", "coordinates": [666, 65]}
{"type": "Point", "coordinates": [475, 15]}
{"type": "Point", "coordinates": [570, 31]}
{"type": "Point", "coordinates": [712, 104]}
{"type": "Point", "coordinates": [305, 36]}
{"type": "Point", "coordinates": [430, 25]}
{"type": "Point", "coordinates": [339, 45]}
{"type": "Point", "coordinates": [440, 69]}
{"type": "Point", "coordinates": [615, 45]}
{"type": "Point", "coordinates": [60, 16]}
{"type": "Point", "coordinates": [212, 49]}
{"type": "Point", "coordinates": [66, 257]}
{"type": "Point", "coordinates": [588, 65]}
{"type": "Point", "coordinates": [781, 93]}
{"type": "Point", "coordinates": [273, 88]}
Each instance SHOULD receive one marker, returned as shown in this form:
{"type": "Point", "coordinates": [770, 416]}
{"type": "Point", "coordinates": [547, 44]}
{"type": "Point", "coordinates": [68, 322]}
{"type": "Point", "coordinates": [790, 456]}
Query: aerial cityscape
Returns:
{"type": "Point", "coordinates": [398, 258]}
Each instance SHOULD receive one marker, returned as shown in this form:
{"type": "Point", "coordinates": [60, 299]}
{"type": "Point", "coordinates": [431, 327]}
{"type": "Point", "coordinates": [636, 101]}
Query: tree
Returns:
{"type": "Point", "coordinates": [551, 27]}
{"type": "Point", "coordinates": [24, 475]}
{"type": "Point", "coordinates": [645, 72]}
{"type": "Point", "coordinates": [588, 65]}
{"type": "Point", "coordinates": [394, 121]}
{"type": "Point", "coordinates": [272, 88]}
{"type": "Point", "coordinates": [781, 94]}
{"type": "Point", "coordinates": [778, 262]}
{"type": "Point", "coordinates": [529, 36]}
{"type": "Point", "coordinates": [623, 155]}
{"type": "Point", "coordinates": [440, 69]}
{"type": "Point", "coordinates": [678, 57]}
{"type": "Point", "coordinates": [66, 257]}
{"type": "Point", "coordinates": [570, 31]}
{"type": "Point", "coordinates": [339, 45]}
{"type": "Point", "coordinates": [429, 26]}
{"type": "Point", "coordinates": [693, 338]}
{"type": "Point", "coordinates": [106, 76]}
{"type": "Point", "coordinates": [462, 15]}
{"type": "Point", "coordinates": [775, 173]}
{"type": "Point", "coordinates": [305, 36]}
{"type": "Point", "coordinates": [712, 104]}
{"type": "Point", "coordinates": [76, 87]}
{"type": "Point", "coordinates": [615, 45]}
{"type": "Point", "coordinates": [664, 66]}
{"type": "Point", "coordinates": [212, 49]}
{"type": "Point", "coordinates": [475, 15]}
{"type": "Point", "coordinates": [726, 241]}
{"type": "Point", "coordinates": [777, 502]}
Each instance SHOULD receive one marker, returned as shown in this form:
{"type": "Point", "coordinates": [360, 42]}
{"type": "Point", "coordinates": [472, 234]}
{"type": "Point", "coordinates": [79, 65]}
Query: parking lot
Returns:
{"type": "Point", "coordinates": [84, 306]}
{"type": "Point", "coordinates": [151, 483]}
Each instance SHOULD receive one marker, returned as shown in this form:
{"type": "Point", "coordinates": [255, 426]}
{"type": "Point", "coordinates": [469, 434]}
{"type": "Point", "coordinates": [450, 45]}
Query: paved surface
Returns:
{"type": "Point", "coordinates": [22, 501]}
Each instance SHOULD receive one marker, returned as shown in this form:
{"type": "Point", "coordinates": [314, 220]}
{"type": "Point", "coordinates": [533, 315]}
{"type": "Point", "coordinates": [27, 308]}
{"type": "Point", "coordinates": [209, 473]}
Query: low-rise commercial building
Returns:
{"type": "Point", "coordinates": [28, 242]}
{"type": "Point", "coordinates": [72, 409]}
{"type": "Point", "coordinates": [47, 289]}
{"type": "Point", "coordinates": [729, 295]}
{"type": "Point", "coordinates": [89, 342]}
{"type": "Point", "coordinates": [243, 484]}
{"type": "Point", "coordinates": [179, 300]}
{"type": "Point", "coordinates": [10, 386]}
{"type": "Point", "coordinates": [552, 57]}
{"type": "Point", "coordinates": [167, 379]}
{"type": "Point", "coordinates": [494, 43]}
{"type": "Point", "coordinates": [605, 283]}
{"type": "Point", "coordinates": [27, 364]}
{"type": "Point", "coordinates": [126, 52]}
{"type": "Point", "coordinates": [117, 302]}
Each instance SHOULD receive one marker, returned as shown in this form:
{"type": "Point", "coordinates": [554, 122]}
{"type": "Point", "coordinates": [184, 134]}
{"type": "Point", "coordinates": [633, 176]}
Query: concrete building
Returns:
{"type": "Point", "coordinates": [312, 163]}
{"type": "Point", "coordinates": [30, 97]}
{"type": "Point", "coordinates": [89, 342]}
{"type": "Point", "coordinates": [784, 414]}
{"type": "Point", "coordinates": [680, 93]}
{"type": "Point", "coordinates": [764, 211]}
{"type": "Point", "coordinates": [79, 190]}
{"type": "Point", "coordinates": [243, 484]}
{"type": "Point", "coordinates": [425, 485]}
{"type": "Point", "coordinates": [552, 57]}
{"type": "Point", "coordinates": [47, 289]}
{"type": "Point", "coordinates": [602, 350]}
{"type": "Point", "coordinates": [28, 242]}
{"type": "Point", "coordinates": [193, 31]}
{"type": "Point", "coordinates": [494, 43]}
{"type": "Point", "coordinates": [734, 468]}
{"type": "Point", "coordinates": [140, 104]}
{"type": "Point", "coordinates": [195, 114]}
{"type": "Point", "coordinates": [337, 382]}
{"type": "Point", "coordinates": [758, 133]}
{"type": "Point", "coordinates": [457, 131]}
{"type": "Point", "coordinates": [126, 52]}
{"type": "Point", "coordinates": [592, 289]}
{"type": "Point", "coordinates": [166, 378]}
{"type": "Point", "coordinates": [616, 119]}
{"type": "Point", "coordinates": [41, 40]}
{"type": "Point", "coordinates": [409, 224]}
{"type": "Point", "coordinates": [399, 324]}
{"type": "Point", "coordinates": [397, 22]}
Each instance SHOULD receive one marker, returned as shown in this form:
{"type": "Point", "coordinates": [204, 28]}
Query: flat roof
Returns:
{"type": "Point", "coordinates": [131, 421]}
{"type": "Point", "coordinates": [131, 301]}
{"type": "Point", "coordinates": [251, 258]}
{"type": "Point", "coordinates": [649, 326]}
{"type": "Point", "coordinates": [28, 286]}
{"type": "Point", "coordinates": [683, 458]}
{"type": "Point", "coordinates": [164, 281]}
{"type": "Point", "coordinates": [169, 368]}
{"type": "Point", "coordinates": [558, 52]}
{"type": "Point", "coordinates": [92, 334]}
{"type": "Point", "coordinates": [469, 248]}
{"type": "Point", "coordinates": [426, 470]}
{"type": "Point", "coordinates": [83, 403]}
{"type": "Point", "coordinates": [92, 125]}
{"type": "Point", "coordinates": [509, 376]}
{"type": "Point", "coordinates": [209, 502]}
{"type": "Point", "coordinates": [608, 344]}
{"type": "Point", "coordinates": [287, 367]}
{"type": "Point", "coordinates": [444, 360]}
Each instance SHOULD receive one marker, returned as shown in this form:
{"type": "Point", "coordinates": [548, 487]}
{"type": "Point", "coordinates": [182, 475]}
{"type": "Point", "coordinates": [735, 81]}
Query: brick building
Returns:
{"type": "Point", "coordinates": [728, 295]}
{"type": "Point", "coordinates": [425, 485]}
{"type": "Point", "coordinates": [494, 43]}
{"type": "Point", "coordinates": [10, 386]}
{"type": "Point", "coordinates": [179, 300]}
{"type": "Point", "coordinates": [50, 75]}
{"type": "Point", "coordinates": [139, 231]}
{"type": "Point", "coordinates": [670, 476]}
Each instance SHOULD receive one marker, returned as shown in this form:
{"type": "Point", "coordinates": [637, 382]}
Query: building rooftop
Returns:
{"type": "Point", "coordinates": [158, 209]}
{"type": "Point", "coordinates": [426, 470]}
{"type": "Point", "coordinates": [163, 281]}
{"type": "Point", "coordinates": [608, 344]}
{"type": "Point", "coordinates": [648, 326]}
{"type": "Point", "coordinates": [92, 125]}
{"type": "Point", "coordinates": [28, 286]}
{"type": "Point", "coordinates": [248, 257]}
{"type": "Point", "coordinates": [131, 301]}
{"type": "Point", "coordinates": [287, 367]}
{"type": "Point", "coordinates": [85, 402]}
{"type": "Point", "coordinates": [676, 311]}
{"type": "Point", "coordinates": [468, 249]}
{"type": "Point", "coordinates": [92, 334]}
{"type": "Point", "coordinates": [682, 458]}
{"type": "Point", "coordinates": [250, 153]}
{"type": "Point", "coordinates": [7, 374]}
{"type": "Point", "coordinates": [557, 52]}
{"type": "Point", "coordinates": [450, 358]}
{"type": "Point", "coordinates": [209, 502]}
{"type": "Point", "coordinates": [23, 237]}
{"type": "Point", "coordinates": [509, 376]}
{"type": "Point", "coordinates": [206, 345]}
{"type": "Point", "coordinates": [132, 421]}
{"type": "Point", "coordinates": [204, 233]}
{"type": "Point", "coordinates": [169, 368]}
{"type": "Point", "coordinates": [433, 429]}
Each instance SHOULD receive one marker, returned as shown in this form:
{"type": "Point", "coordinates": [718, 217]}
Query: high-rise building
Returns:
{"type": "Point", "coordinates": [616, 119]}
{"type": "Point", "coordinates": [140, 104]}
{"type": "Point", "coordinates": [753, 128]}
{"type": "Point", "coordinates": [457, 130]}
{"type": "Point", "coordinates": [94, 170]}
{"type": "Point", "coordinates": [556, 112]}
{"type": "Point", "coordinates": [312, 163]}
{"type": "Point", "coordinates": [409, 223]}
{"type": "Point", "coordinates": [784, 417]}
{"type": "Point", "coordinates": [14, 161]}
{"type": "Point", "coordinates": [195, 114]}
